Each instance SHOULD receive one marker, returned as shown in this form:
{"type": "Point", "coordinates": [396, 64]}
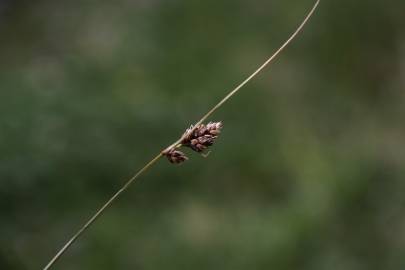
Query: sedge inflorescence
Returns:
{"type": "Point", "coordinates": [199, 138]}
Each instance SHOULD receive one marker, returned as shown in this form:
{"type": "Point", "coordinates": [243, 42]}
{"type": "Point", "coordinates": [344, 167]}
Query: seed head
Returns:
{"type": "Point", "coordinates": [175, 156]}
{"type": "Point", "coordinates": [201, 137]}
{"type": "Point", "coordinates": [197, 138]}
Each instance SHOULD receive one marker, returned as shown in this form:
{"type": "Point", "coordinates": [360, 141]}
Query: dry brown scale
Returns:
{"type": "Point", "coordinates": [197, 138]}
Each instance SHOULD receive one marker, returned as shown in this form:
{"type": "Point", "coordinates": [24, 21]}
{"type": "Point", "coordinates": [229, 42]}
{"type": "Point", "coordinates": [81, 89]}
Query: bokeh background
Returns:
{"type": "Point", "coordinates": [308, 173]}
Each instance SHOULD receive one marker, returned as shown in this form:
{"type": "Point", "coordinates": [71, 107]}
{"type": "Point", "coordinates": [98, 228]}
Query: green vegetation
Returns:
{"type": "Point", "coordinates": [308, 172]}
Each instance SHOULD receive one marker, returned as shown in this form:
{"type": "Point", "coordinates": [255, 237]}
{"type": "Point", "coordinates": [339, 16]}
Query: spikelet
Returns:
{"type": "Point", "coordinates": [175, 156]}
{"type": "Point", "coordinates": [198, 138]}
{"type": "Point", "coordinates": [201, 137]}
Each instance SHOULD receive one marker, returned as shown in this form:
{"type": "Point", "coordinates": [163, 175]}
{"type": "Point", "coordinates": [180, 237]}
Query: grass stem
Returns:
{"type": "Point", "coordinates": [177, 143]}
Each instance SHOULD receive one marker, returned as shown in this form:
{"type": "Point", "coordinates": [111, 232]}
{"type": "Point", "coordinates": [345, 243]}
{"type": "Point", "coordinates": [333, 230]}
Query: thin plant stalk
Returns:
{"type": "Point", "coordinates": [177, 143]}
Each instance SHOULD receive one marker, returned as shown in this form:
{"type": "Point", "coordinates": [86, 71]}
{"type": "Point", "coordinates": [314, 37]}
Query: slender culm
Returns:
{"type": "Point", "coordinates": [198, 137]}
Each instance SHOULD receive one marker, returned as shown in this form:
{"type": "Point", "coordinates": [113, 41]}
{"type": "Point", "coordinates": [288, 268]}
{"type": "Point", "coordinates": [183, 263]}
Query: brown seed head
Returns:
{"type": "Point", "coordinates": [175, 156]}
{"type": "Point", "coordinates": [201, 137]}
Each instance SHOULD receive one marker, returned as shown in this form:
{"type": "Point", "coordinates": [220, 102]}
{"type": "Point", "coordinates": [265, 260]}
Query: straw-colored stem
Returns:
{"type": "Point", "coordinates": [100, 211]}
{"type": "Point", "coordinates": [175, 144]}
{"type": "Point", "coordinates": [257, 71]}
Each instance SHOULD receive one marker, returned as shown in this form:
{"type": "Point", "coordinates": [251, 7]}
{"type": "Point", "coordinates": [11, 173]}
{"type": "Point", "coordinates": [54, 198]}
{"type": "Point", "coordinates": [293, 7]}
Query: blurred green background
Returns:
{"type": "Point", "coordinates": [308, 172]}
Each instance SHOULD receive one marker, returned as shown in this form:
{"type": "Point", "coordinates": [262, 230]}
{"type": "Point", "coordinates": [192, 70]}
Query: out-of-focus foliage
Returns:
{"type": "Point", "coordinates": [308, 173]}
